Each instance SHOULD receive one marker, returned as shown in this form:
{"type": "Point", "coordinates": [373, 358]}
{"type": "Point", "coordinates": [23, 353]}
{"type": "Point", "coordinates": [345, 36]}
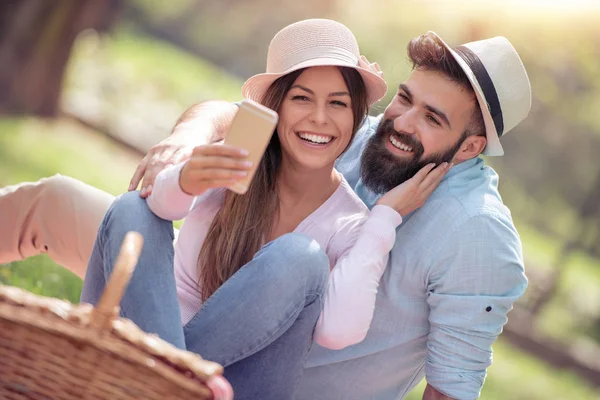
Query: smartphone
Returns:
{"type": "Point", "coordinates": [251, 129]}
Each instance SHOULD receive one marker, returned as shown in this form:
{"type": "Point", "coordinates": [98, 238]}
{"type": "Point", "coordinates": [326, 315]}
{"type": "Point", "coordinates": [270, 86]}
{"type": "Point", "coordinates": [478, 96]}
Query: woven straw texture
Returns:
{"type": "Point", "coordinates": [52, 349]}
{"type": "Point", "coordinates": [312, 43]}
{"type": "Point", "coordinates": [301, 36]}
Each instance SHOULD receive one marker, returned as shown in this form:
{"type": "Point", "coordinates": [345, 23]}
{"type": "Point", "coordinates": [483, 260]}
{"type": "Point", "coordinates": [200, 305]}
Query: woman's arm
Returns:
{"type": "Point", "coordinates": [167, 200]}
{"type": "Point", "coordinates": [210, 166]}
{"type": "Point", "coordinates": [350, 298]}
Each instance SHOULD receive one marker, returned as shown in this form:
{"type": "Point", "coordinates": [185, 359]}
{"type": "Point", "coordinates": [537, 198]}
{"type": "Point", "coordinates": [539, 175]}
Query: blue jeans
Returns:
{"type": "Point", "coordinates": [258, 324]}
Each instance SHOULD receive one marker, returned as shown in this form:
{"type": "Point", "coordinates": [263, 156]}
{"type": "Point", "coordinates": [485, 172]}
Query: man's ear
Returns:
{"type": "Point", "coordinates": [470, 148]}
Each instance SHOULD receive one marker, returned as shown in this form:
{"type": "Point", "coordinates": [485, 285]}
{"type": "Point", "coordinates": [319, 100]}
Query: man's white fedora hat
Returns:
{"type": "Point", "coordinates": [312, 43]}
{"type": "Point", "coordinates": [501, 85]}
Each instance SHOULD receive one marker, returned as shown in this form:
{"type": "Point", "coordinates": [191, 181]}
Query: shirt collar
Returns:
{"type": "Point", "coordinates": [463, 166]}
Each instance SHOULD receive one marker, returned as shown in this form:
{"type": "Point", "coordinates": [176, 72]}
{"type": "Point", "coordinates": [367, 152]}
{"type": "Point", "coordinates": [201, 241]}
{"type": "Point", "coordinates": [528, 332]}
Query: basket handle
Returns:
{"type": "Point", "coordinates": [107, 308]}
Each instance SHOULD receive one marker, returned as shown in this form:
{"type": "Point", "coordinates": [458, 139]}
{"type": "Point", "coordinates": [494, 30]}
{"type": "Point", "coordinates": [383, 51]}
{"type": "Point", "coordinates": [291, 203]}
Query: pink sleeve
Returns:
{"type": "Point", "coordinates": [350, 299]}
{"type": "Point", "coordinates": [167, 200]}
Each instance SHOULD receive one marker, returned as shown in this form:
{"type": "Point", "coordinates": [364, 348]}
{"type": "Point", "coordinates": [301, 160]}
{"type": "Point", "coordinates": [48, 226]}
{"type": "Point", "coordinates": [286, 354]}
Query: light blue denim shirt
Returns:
{"type": "Point", "coordinates": [454, 272]}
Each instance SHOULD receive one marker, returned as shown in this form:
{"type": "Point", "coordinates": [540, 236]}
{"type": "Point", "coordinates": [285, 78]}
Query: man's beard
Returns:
{"type": "Point", "coordinates": [382, 171]}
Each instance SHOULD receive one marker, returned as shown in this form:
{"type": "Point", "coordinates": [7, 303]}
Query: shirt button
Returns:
{"type": "Point", "coordinates": [488, 309]}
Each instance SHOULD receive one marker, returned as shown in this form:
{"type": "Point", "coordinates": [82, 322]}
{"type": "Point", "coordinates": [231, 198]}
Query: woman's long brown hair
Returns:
{"type": "Point", "coordinates": [242, 224]}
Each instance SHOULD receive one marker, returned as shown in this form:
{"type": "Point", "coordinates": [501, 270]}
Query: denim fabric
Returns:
{"type": "Point", "coordinates": [258, 324]}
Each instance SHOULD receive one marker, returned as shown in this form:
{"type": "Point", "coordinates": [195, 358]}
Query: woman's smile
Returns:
{"type": "Point", "coordinates": [314, 139]}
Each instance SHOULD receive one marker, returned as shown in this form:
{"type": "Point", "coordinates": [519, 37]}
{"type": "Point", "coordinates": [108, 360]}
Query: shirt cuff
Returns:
{"type": "Point", "coordinates": [386, 213]}
{"type": "Point", "coordinates": [168, 200]}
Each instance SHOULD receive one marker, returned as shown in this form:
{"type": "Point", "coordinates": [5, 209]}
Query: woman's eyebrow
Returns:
{"type": "Point", "coordinates": [311, 92]}
{"type": "Point", "coordinates": [303, 88]}
{"type": "Point", "coordinates": [339, 94]}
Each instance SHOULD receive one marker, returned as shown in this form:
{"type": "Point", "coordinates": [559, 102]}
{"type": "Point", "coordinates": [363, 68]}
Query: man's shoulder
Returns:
{"type": "Point", "coordinates": [481, 206]}
{"type": "Point", "coordinates": [451, 233]}
{"type": "Point", "coordinates": [458, 205]}
{"type": "Point", "coordinates": [473, 191]}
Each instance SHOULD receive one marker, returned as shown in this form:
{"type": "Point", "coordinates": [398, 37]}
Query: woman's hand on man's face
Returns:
{"type": "Point", "coordinates": [213, 166]}
{"type": "Point", "coordinates": [413, 193]}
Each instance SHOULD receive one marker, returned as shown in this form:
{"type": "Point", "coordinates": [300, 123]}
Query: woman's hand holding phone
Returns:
{"type": "Point", "coordinates": [213, 166]}
{"type": "Point", "coordinates": [413, 193]}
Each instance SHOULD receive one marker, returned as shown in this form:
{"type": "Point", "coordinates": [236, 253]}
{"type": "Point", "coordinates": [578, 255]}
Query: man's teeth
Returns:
{"type": "Point", "coordinates": [399, 144]}
{"type": "Point", "coordinates": [315, 138]}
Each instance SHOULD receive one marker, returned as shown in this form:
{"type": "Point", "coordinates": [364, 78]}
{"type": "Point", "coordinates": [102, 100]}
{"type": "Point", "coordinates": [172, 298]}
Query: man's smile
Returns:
{"type": "Point", "coordinates": [395, 140]}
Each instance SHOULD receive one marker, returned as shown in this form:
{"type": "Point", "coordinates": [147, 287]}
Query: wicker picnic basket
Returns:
{"type": "Point", "coordinates": [52, 349]}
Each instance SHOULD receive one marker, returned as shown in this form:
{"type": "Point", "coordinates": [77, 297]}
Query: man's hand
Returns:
{"type": "Point", "coordinates": [168, 152]}
{"type": "Point", "coordinates": [210, 122]}
{"type": "Point", "coordinates": [213, 166]}
{"type": "Point", "coordinates": [412, 194]}
{"type": "Point", "coordinates": [432, 394]}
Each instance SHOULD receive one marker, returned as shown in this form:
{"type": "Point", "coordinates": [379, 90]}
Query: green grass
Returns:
{"type": "Point", "coordinates": [42, 276]}
{"type": "Point", "coordinates": [518, 376]}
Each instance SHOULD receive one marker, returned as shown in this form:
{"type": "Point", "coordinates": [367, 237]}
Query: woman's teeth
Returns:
{"type": "Point", "coordinates": [318, 139]}
{"type": "Point", "coordinates": [399, 144]}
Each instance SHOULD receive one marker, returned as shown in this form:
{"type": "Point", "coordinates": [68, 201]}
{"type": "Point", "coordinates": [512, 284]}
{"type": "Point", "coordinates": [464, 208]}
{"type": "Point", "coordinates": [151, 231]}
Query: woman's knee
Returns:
{"type": "Point", "coordinates": [302, 248]}
{"type": "Point", "coordinates": [131, 212]}
{"type": "Point", "coordinates": [300, 257]}
{"type": "Point", "coordinates": [129, 204]}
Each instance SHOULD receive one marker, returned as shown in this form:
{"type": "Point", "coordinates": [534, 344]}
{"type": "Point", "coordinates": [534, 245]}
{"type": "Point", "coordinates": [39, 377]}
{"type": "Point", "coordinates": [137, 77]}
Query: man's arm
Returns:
{"type": "Point", "coordinates": [476, 277]}
{"type": "Point", "coordinates": [213, 118]}
{"type": "Point", "coordinates": [432, 394]}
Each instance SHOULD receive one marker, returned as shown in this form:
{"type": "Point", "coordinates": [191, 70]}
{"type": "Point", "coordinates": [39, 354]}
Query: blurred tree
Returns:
{"type": "Point", "coordinates": [587, 220]}
{"type": "Point", "coordinates": [36, 37]}
{"type": "Point", "coordinates": [233, 34]}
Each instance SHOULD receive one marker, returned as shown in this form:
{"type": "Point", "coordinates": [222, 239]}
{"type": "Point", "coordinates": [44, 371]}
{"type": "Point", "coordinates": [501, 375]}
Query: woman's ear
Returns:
{"type": "Point", "coordinates": [470, 148]}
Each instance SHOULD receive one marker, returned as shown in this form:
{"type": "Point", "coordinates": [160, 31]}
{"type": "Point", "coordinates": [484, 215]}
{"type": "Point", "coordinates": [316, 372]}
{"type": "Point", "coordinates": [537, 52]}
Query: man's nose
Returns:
{"type": "Point", "coordinates": [406, 122]}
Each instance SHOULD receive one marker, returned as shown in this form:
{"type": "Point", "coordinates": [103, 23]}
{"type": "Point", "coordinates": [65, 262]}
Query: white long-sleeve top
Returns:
{"type": "Point", "coordinates": [356, 240]}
